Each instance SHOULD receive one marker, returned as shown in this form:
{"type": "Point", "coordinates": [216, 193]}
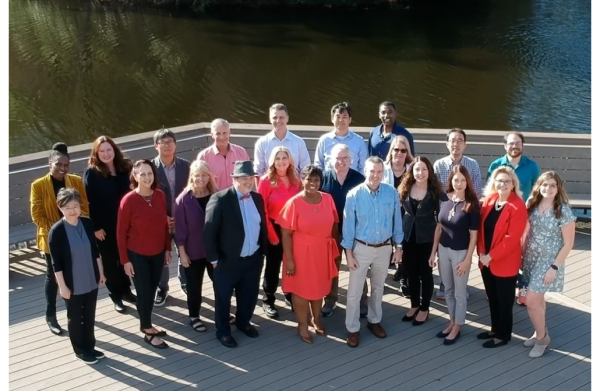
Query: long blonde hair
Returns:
{"type": "Point", "coordinates": [396, 141]}
{"type": "Point", "coordinates": [203, 168]}
{"type": "Point", "coordinates": [561, 194]}
{"type": "Point", "coordinates": [291, 170]}
{"type": "Point", "coordinates": [490, 187]}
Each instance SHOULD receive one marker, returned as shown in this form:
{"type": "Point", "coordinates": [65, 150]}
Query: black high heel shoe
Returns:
{"type": "Point", "coordinates": [420, 322]}
{"type": "Point", "coordinates": [407, 318]}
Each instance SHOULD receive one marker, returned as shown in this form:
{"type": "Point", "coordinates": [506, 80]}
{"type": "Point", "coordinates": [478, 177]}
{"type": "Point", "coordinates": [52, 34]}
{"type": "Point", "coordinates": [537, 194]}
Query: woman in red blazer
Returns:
{"type": "Point", "coordinates": [503, 221]}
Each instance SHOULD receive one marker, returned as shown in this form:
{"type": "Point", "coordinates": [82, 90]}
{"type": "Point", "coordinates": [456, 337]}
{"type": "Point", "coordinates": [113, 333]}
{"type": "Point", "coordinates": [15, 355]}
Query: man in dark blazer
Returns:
{"type": "Point", "coordinates": [173, 173]}
{"type": "Point", "coordinates": [235, 238]}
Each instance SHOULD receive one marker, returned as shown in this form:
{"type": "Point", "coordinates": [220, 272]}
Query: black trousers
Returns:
{"type": "Point", "coordinates": [415, 258]}
{"type": "Point", "coordinates": [81, 314]}
{"type": "Point", "coordinates": [148, 270]}
{"type": "Point", "coordinates": [117, 282]}
{"type": "Point", "coordinates": [245, 279]}
{"type": "Point", "coordinates": [50, 288]}
{"type": "Point", "coordinates": [272, 269]}
{"type": "Point", "coordinates": [195, 275]}
{"type": "Point", "coordinates": [501, 296]}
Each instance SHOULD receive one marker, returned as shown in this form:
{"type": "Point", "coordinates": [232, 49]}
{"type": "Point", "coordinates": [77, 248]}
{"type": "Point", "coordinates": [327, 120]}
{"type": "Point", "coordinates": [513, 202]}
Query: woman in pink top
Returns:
{"type": "Point", "coordinates": [277, 186]}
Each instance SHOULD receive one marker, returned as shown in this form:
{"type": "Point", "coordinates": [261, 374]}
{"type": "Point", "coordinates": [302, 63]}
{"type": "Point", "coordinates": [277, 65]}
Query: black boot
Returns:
{"type": "Point", "coordinates": [53, 325]}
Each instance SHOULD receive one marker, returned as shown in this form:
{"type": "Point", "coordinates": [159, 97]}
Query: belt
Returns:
{"type": "Point", "coordinates": [386, 243]}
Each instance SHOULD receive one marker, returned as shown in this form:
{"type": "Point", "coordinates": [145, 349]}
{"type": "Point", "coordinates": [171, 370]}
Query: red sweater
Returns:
{"type": "Point", "coordinates": [142, 228]}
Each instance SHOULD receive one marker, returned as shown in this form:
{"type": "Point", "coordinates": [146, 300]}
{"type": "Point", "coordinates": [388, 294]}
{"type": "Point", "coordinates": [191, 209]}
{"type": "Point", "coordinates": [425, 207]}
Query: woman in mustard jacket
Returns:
{"type": "Point", "coordinates": [45, 212]}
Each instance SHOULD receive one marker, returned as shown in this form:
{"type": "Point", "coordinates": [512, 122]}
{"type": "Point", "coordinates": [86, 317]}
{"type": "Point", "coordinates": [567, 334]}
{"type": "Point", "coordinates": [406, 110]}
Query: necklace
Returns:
{"type": "Point", "coordinates": [541, 211]}
{"type": "Point", "coordinates": [456, 201]}
{"type": "Point", "coordinates": [497, 205]}
{"type": "Point", "coordinates": [315, 208]}
{"type": "Point", "coordinates": [148, 199]}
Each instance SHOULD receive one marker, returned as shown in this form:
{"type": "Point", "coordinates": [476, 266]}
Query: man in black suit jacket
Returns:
{"type": "Point", "coordinates": [173, 173]}
{"type": "Point", "coordinates": [235, 238]}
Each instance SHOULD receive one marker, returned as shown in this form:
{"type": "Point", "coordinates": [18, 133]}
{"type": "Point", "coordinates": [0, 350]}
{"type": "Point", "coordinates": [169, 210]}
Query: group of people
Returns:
{"type": "Point", "coordinates": [378, 202]}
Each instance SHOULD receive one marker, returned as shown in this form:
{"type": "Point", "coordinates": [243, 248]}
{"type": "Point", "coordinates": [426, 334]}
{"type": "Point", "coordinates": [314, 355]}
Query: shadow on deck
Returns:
{"type": "Point", "coordinates": [409, 358]}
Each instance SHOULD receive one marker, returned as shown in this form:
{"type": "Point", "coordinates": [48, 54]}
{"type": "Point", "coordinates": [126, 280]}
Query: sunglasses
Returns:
{"type": "Point", "coordinates": [403, 150]}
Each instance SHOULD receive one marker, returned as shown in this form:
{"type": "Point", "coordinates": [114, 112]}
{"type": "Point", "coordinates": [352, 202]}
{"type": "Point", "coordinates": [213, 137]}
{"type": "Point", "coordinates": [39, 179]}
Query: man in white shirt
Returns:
{"type": "Point", "coordinates": [279, 136]}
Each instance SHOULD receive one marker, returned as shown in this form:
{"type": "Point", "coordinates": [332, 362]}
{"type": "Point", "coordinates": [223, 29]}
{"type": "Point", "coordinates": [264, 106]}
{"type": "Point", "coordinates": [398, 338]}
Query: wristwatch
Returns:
{"type": "Point", "coordinates": [399, 246]}
{"type": "Point", "coordinates": [553, 266]}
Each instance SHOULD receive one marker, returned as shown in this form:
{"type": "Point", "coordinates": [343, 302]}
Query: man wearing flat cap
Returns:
{"type": "Point", "coordinates": [235, 238]}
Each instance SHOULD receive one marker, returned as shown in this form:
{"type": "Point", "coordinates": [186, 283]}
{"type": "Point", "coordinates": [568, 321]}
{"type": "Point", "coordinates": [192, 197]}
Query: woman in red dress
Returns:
{"type": "Point", "coordinates": [309, 223]}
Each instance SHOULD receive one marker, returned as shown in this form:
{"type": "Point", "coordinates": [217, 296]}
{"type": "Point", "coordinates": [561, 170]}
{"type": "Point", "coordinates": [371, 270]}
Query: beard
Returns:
{"type": "Point", "coordinates": [515, 152]}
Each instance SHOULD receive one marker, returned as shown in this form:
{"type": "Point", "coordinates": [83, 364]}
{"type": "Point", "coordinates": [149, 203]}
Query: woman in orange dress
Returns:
{"type": "Point", "coordinates": [309, 225]}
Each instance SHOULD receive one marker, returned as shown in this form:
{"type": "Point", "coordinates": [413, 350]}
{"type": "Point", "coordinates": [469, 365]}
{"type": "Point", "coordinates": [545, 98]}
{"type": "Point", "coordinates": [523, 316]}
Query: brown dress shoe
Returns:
{"type": "Point", "coordinates": [377, 329]}
{"type": "Point", "coordinates": [353, 339]}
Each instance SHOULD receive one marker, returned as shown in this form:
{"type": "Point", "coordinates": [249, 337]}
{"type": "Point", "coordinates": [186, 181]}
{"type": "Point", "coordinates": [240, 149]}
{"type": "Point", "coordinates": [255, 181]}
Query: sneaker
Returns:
{"type": "Point", "coordinates": [184, 289]}
{"type": "Point", "coordinates": [161, 297]}
{"type": "Point", "coordinates": [87, 358]}
{"type": "Point", "coordinates": [327, 310]}
{"type": "Point", "coordinates": [522, 297]}
{"type": "Point", "coordinates": [98, 354]}
{"type": "Point", "coordinates": [441, 293]}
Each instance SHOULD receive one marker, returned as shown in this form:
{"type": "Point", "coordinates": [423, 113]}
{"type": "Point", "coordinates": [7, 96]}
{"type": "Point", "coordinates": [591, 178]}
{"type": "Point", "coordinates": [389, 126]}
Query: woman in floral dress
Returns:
{"type": "Point", "coordinates": [549, 240]}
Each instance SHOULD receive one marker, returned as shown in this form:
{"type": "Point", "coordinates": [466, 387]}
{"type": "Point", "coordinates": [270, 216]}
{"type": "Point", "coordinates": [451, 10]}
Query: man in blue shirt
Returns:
{"type": "Point", "coordinates": [372, 229]}
{"type": "Point", "coordinates": [338, 182]}
{"type": "Point", "coordinates": [341, 117]}
{"type": "Point", "coordinates": [381, 136]}
{"type": "Point", "coordinates": [526, 169]}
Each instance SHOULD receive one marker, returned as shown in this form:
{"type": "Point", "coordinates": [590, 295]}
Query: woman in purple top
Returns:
{"type": "Point", "coordinates": [454, 240]}
{"type": "Point", "coordinates": [190, 207]}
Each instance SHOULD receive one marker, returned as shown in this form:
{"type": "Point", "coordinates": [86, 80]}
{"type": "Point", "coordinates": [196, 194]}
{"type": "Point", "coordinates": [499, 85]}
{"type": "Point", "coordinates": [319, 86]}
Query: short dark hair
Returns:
{"type": "Point", "coordinates": [58, 149]}
{"type": "Point", "coordinates": [312, 170]}
{"type": "Point", "coordinates": [279, 106]}
{"type": "Point", "coordinates": [519, 134]}
{"type": "Point", "coordinates": [341, 108]}
{"type": "Point", "coordinates": [388, 103]}
{"type": "Point", "coordinates": [66, 195]}
{"type": "Point", "coordinates": [162, 134]}
{"type": "Point", "coordinates": [456, 130]}
{"type": "Point", "coordinates": [137, 164]}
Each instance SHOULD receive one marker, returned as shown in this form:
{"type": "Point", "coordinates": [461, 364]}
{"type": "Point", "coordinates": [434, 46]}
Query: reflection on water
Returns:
{"type": "Point", "coordinates": [78, 70]}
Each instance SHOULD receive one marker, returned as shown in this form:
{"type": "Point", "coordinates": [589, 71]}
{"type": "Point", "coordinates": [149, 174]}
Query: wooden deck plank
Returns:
{"type": "Point", "coordinates": [562, 377]}
{"type": "Point", "coordinates": [278, 359]}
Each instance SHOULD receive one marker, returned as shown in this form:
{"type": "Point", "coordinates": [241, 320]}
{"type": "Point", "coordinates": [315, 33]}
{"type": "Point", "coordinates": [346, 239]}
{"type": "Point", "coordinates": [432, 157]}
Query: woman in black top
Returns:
{"type": "Point", "coordinates": [419, 191]}
{"type": "Point", "coordinates": [78, 271]}
{"type": "Point", "coordinates": [106, 182]}
{"type": "Point", "coordinates": [455, 240]}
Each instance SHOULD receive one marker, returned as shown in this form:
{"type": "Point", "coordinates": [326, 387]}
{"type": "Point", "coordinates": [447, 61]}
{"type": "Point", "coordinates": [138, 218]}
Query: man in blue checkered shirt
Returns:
{"type": "Point", "coordinates": [456, 142]}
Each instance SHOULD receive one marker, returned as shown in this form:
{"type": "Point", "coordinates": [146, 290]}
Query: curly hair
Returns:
{"type": "Point", "coordinates": [433, 183]}
{"type": "Point", "coordinates": [561, 194]}
{"type": "Point", "coordinates": [121, 163]}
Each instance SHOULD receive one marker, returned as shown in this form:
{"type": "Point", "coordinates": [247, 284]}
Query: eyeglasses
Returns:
{"type": "Point", "coordinates": [166, 142]}
{"type": "Point", "coordinates": [71, 208]}
{"type": "Point", "coordinates": [342, 159]}
{"type": "Point", "coordinates": [516, 144]}
{"type": "Point", "coordinates": [501, 182]}
{"type": "Point", "coordinates": [403, 150]}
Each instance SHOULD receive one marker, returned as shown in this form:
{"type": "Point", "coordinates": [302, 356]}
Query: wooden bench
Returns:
{"type": "Point", "coordinates": [567, 154]}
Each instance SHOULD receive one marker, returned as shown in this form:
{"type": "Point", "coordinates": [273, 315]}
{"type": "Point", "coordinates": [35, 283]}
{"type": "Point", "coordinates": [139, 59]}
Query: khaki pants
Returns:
{"type": "Point", "coordinates": [378, 259]}
{"type": "Point", "coordinates": [332, 297]}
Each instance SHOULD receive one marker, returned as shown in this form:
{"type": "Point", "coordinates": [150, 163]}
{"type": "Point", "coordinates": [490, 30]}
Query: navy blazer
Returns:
{"type": "Point", "coordinates": [189, 225]}
{"type": "Point", "coordinates": [182, 172]}
{"type": "Point", "coordinates": [224, 228]}
{"type": "Point", "coordinates": [60, 249]}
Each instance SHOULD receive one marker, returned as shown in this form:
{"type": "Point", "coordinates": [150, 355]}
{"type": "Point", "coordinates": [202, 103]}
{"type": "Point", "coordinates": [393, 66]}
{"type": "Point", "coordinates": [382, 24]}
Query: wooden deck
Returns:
{"type": "Point", "coordinates": [410, 358]}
